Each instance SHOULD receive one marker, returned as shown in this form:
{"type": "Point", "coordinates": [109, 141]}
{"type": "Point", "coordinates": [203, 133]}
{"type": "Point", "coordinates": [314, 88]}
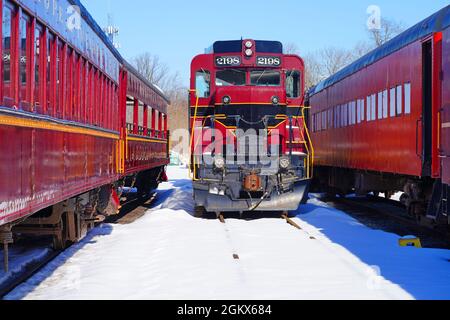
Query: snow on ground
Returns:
{"type": "Point", "coordinates": [168, 254]}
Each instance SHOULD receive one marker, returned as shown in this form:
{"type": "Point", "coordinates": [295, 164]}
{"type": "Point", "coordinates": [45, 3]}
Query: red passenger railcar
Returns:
{"type": "Point", "coordinates": [67, 140]}
{"type": "Point", "coordinates": [381, 124]}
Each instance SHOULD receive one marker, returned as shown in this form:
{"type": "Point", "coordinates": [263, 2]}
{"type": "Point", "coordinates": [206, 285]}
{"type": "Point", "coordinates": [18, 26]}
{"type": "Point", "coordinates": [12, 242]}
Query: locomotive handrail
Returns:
{"type": "Point", "coordinates": [193, 174]}
{"type": "Point", "coordinates": [191, 144]}
{"type": "Point", "coordinates": [310, 152]}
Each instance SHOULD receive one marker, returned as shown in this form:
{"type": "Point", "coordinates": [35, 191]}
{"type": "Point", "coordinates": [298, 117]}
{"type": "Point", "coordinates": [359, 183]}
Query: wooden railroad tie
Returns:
{"type": "Point", "coordinates": [291, 222]}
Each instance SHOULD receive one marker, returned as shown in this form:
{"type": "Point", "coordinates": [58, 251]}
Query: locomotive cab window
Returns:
{"type": "Point", "coordinates": [203, 83]}
{"type": "Point", "coordinates": [265, 78]}
{"type": "Point", "coordinates": [230, 77]}
{"type": "Point", "coordinates": [293, 84]}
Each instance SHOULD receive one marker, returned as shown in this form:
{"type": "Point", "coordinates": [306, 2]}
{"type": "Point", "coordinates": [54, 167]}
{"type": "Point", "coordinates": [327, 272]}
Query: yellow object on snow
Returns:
{"type": "Point", "coordinates": [410, 242]}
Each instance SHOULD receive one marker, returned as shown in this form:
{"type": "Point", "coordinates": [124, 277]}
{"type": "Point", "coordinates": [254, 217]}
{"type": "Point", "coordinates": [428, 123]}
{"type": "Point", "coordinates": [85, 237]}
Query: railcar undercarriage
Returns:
{"type": "Point", "coordinates": [69, 221]}
{"type": "Point", "coordinates": [425, 199]}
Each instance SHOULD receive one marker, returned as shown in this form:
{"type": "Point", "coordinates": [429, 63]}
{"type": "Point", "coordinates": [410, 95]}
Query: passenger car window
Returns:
{"type": "Point", "coordinates": [24, 60]}
{"type": "Point", "coordinates": [203, 83]}
{"type": "Point", "coordinates": [230, 77]}
{"type": "Point", "coordinates": [6, 42]}
{"type": "Point", "coordinates": [385, 104]}
{"type": "Point", "coordinates": [293, 84]}
{"type": "Point", "coordinates": [380, 105]}
{"type": "Point", "coordinates": [399, 100]}
{"type": "Point", "coordinates": [407, 98]}
{"type": "Point", "coordinates": [37, 62]}
{"type": "Point", "coordinates": [393, 103]}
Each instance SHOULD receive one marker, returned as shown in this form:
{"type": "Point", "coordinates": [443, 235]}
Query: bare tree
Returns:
{"type": "Point", "coordinates": [334, 59]}
{"type": "Point", "coordinates": [158, 73]}
{"type": "Point", "coordinates": [291, 48]}
{"type": "Point", "coordinates": [322, 63]}
{"type": "Point", "coordinates": [389, 29]}
{"type": "Point", "coordinates": [361, 49]}
{"type": "Point", "coordinates": [313, 71]}
{"type": "Point", "coordinates": [151, 67]}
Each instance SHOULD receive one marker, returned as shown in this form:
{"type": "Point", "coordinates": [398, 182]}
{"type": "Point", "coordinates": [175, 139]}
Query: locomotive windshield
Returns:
{"type": "Point", "coordinates": [267, 78]}
{"type": "Point", "coordinates": [230, 77]}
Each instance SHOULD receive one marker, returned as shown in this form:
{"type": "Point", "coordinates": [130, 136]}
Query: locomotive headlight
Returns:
{"type": "Point", "coordinates": [219, 162]}
{"type": "Point", "coordinates": [249, 52]}
{"type": "Point", "coordinates": [248, 44]}
{"type": "Point", "coordinates": [285, 162]}
{"type": "Point", "coordinates": [275, 100]}
{"type": "Point", "coordinates": [226, 100]}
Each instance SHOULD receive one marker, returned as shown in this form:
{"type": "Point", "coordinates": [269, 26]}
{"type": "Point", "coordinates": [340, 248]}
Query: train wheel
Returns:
{"type": "Point", "coordinates": [60, 239]}
{"type": "Point", "coordinates": [59, 243]}
{"type": "Point", "coordinates": [199, 212]}
{"type": "Point", "coordinates": [104, 197]}
{"type": "Point", "coordinates": [404, 199]}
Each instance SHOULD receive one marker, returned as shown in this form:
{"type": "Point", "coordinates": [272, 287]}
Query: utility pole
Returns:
{"type": "Point", "coordinates": [111, 30]}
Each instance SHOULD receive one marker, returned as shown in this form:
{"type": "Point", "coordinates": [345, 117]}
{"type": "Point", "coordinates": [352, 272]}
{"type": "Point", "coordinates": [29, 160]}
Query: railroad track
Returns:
{"type": "Point", "coordinates": [131, 210]}
{"type": "Point", "coordinates": [376, 213]}
{"type": "Point", "coordinates": [30, 270]}
{"type": "Point", "coordinates": [391, 216]}
{"type": "Point", "coordinates": [285, 216]}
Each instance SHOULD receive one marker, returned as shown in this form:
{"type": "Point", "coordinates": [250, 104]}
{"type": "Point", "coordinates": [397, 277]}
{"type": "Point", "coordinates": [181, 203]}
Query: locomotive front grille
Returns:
{"type": "Point", "coordinates": [252, 124]}
{"type": "Point", "coordinates": [250, 116]}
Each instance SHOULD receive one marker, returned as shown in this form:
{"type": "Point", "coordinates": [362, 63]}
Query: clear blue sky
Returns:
{"type": "Point", "coordinates": [177, 30]}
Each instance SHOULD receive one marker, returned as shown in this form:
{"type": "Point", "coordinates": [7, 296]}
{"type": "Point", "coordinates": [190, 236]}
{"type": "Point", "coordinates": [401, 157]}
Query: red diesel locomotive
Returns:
{"type": "Point", "coordinates": [250, 146]}
{"type": "Point", "coordinates": [382, 124]}
{"type": "Point", "coordinates": [76, 122]}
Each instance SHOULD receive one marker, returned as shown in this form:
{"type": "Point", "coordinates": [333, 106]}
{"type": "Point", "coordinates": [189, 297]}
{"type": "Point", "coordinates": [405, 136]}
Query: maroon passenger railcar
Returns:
{"type": "Point", "coordinates": [382, 124]}
{"type": "Point", "coordinates": [67, 141]}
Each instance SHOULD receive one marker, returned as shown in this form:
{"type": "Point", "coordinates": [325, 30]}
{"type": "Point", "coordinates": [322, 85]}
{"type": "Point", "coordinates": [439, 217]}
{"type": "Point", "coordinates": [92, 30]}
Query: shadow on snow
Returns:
{"type": "Point", "coordinates": [423, 273]}
{"type": "Point", "coordinates": [31, 284]}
